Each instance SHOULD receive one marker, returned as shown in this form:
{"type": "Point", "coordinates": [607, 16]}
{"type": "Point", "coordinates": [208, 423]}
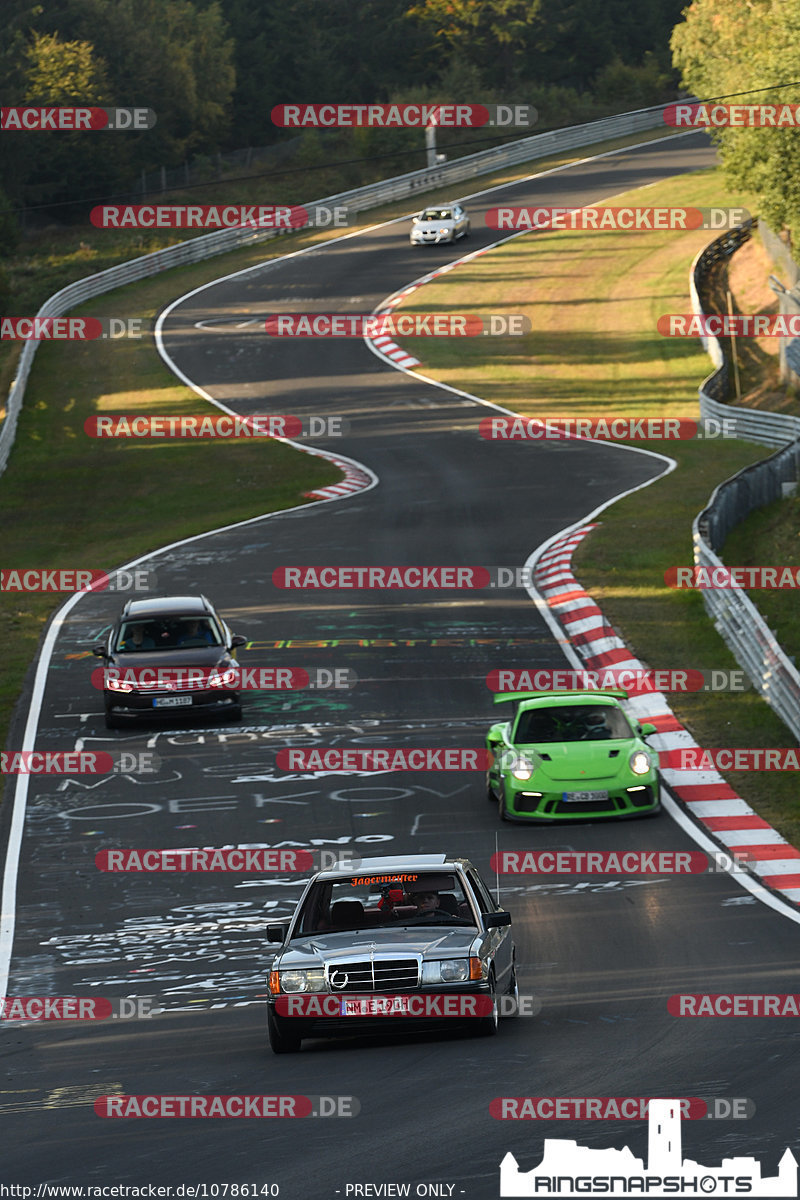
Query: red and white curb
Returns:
{"type": "Point", "coordinates": [384, 347]}
{"type": "Point", "coordinates": [355, 480]}
{"type": "Point", "coordinates": [712, 802]}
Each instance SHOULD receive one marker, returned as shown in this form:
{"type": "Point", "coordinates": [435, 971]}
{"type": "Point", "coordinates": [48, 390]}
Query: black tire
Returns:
{"type": "Point", "coordinates": [235, 714]}
{"type": "Point", "coordinates": [501, 805]}
{"type": "Point", "coordinates": [487, 1026]}
{"type": "Point", "coordinates": [112, 722]}
{"type": "Point", "coordinates": [281, 1040]}
{"type": "Point", "coordinates": [468, 230]}
{"type": "Point", "coordinates": [513, 987]}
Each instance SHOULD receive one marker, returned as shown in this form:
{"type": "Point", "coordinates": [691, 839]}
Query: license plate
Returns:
{"type": "Point", "coordinates": [374, 1006]}
{"type": "Point", "coordinates": [583, 797]}
{"type": "Point", "coordinates": [172, 701]}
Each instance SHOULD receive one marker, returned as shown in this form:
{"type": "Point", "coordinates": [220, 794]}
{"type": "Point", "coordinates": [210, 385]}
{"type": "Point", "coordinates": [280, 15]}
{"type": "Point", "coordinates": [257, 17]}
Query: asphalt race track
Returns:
{"type": "Point", "coordinates": [602, 955]}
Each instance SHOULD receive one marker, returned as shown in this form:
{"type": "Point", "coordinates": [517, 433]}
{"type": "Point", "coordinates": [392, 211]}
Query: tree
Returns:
{"type": "Point", "coordinates": [722, 49]}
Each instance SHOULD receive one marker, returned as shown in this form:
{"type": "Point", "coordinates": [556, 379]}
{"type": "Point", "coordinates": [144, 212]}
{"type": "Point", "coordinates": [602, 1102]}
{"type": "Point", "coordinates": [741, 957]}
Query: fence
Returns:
{"type": "Point", "coordinates": [735, 617]}
{"type": "Point", "coordinates": [198, 249]}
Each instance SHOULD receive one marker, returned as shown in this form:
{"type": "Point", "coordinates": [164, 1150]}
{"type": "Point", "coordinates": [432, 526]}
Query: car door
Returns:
{"type": "Point", "coordinates": [501, 939]}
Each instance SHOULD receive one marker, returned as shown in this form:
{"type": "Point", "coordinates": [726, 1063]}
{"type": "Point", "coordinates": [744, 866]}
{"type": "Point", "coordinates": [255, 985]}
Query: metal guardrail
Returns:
{"type": "Point", "coordinates": [735, 617]}
{"type": "Point", "coordinates": [539, 145]}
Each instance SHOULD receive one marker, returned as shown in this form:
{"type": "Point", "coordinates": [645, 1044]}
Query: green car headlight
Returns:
{"type": "Point", "coordinates": [522, 768]}
{"type": "Point", "coordinates": [640, 763]}
{"type": "Point", "coordinates": [448, 970]}
{"type": "Point", "coordinates": [312, 980]}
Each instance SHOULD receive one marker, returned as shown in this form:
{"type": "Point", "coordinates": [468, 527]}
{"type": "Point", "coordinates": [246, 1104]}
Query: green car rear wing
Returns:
{"type": "Point", "coordinates": [504, 697]}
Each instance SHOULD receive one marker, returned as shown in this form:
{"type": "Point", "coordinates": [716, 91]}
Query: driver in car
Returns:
{"type": "Point", "coordinates": [427, 903]}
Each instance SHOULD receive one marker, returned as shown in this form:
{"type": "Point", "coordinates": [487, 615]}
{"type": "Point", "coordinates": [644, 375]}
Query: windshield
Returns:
{"type": "Point", "coordinates": [385, 901]}
{"type": "Point", "coordinates": [436, 214]}
{"type": "Point", "coordinates": [167, 633]}
{"type": "Point", "coordinates": [571, 723]}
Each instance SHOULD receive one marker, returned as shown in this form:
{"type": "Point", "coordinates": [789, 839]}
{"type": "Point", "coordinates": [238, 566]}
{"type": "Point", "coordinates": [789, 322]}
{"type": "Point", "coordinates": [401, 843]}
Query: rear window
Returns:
{"type": "Point", "coordinates": [572, 723]}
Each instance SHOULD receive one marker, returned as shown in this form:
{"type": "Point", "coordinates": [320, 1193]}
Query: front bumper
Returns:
{"type": "Point", "coordinates": [637, 799]}
{"type": "Point", "coordinates": [334, 1023]}
{"type": "Point", "coordinates": [139, 706]}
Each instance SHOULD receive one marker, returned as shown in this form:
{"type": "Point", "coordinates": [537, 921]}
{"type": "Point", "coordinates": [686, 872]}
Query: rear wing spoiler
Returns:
{"type": "Point", "coordinates": [504, 697]}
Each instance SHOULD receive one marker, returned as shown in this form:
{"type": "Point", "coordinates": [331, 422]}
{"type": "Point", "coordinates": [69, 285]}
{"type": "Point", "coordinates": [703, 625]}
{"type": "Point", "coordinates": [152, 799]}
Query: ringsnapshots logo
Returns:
{"type": "Point", "coordinates": [403, 116]}
{"type": "Point", "coordinates": [76, 579]}
{"type": "Point", "coordinates": [74, 118]}
{"type": "Point", "coordinates": [393, 324]}
{"type": "Point", "coordinates": [630, 220]}
{"type": "Point", "coordinates": [282, 218]}
{"type": "Point", "coordinates": [218, 425]}
{"type": "Point", "coordinates": [615, 429]}
{"type": "Point", "coordinates": [569, 1169]}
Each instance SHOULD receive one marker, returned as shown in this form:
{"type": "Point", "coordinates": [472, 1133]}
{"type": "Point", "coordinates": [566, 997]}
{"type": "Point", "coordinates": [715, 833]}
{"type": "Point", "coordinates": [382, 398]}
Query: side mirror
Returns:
{"type": "Point", "coordinates": [238, 640]}
{"type": "Point", "coordinates": [276, 933]}
{"type": "Point", "coordinates": [496, 920]}
{"type": "Point", "coordinates": [647, 729]}
{"type": "Point", "coordinates": [99, 651]}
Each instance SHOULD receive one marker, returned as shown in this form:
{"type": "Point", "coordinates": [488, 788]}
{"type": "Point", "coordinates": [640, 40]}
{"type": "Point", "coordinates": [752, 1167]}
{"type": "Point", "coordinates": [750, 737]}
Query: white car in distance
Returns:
{"type": "Point", "coordinates": [439, 223]}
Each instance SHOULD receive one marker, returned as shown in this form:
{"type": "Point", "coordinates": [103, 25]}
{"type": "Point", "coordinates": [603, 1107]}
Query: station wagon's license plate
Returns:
{"type": "Point", "coordinates": [374, 1006]}
{"type": "Point", "coordinates": [172, 701]}
{"type": "Point", "coordinates": [583, 797]}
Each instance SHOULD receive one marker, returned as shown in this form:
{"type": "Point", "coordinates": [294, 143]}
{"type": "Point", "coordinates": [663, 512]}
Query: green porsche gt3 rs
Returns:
{"type": "Point", "coordinates": [567, 756]}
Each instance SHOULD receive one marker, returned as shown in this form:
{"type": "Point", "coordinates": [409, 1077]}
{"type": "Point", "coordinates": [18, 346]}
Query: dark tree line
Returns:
{"type": "Point", "coordinates": [213, 69]}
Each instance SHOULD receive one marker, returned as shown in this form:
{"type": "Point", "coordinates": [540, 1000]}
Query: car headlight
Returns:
{"type": "Point", "coordinates": [223, 678]}
{"type": "Point", "coordinates": [448, 970]}
{"type": "Point", "coordinates": [119, 685]}
{"type": "Point", "coordinates": [311, 980]}
{"type": "Point", "coordinates": [521, 767]}
{"type": "Point", "coordinates": [640, 763]}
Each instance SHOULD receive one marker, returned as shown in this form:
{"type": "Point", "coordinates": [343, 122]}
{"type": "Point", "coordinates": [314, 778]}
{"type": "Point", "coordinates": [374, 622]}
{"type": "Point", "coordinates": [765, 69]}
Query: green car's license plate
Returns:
{"type": "Point", "coordinates": [582, 797]}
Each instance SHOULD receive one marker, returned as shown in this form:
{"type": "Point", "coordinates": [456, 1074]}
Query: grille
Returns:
{"type": "Point", "coordinates": [380, 975]}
